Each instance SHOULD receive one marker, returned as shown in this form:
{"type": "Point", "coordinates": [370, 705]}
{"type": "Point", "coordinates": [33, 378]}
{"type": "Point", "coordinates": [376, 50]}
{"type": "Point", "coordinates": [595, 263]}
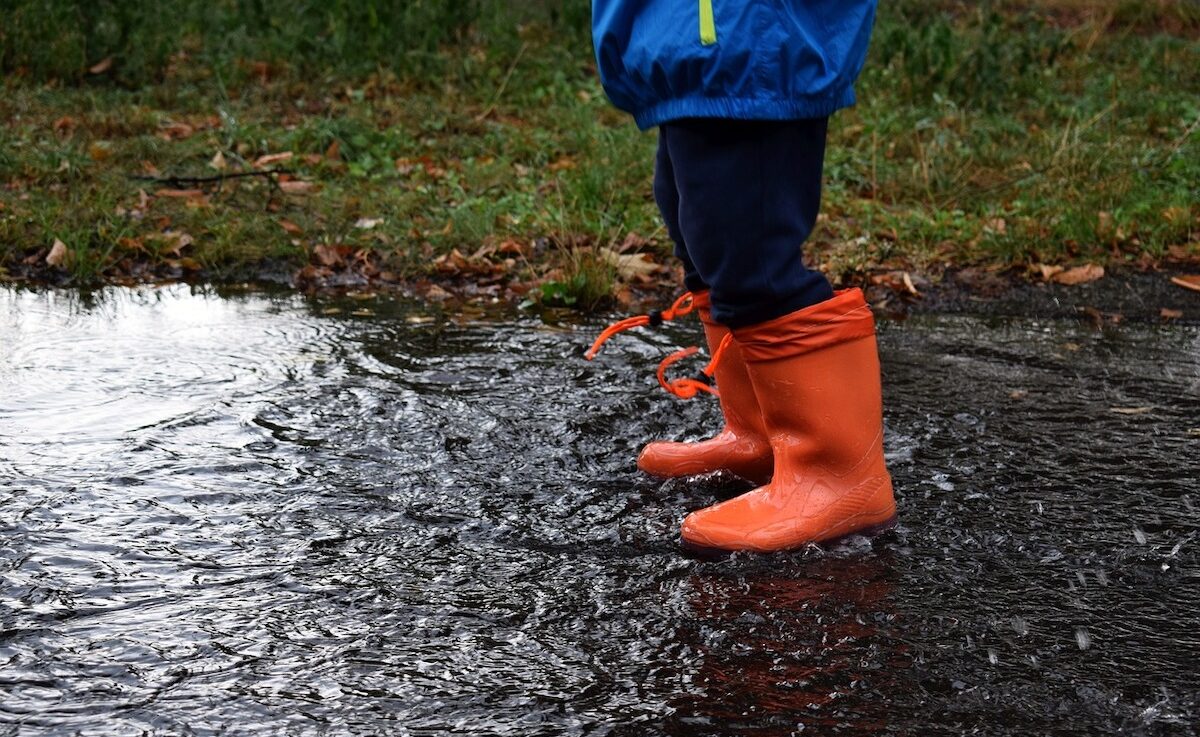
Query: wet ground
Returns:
{"type": "Point", "coordinates": [270, 515]}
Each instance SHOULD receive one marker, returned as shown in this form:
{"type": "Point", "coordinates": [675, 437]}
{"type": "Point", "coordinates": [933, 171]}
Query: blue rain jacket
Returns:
{"type": "Point", "coordinates": [751, 59]}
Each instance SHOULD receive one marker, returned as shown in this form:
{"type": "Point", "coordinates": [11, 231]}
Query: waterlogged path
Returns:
{"type": "Point", "coordinates": [268, 515]}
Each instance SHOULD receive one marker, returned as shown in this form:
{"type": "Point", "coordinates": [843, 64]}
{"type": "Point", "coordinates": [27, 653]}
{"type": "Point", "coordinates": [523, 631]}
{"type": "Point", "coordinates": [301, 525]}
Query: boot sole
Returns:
{"type": "Point", "coordinates": [710, 553]}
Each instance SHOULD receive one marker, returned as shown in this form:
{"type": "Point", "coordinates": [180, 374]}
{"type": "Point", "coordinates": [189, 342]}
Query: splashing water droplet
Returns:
{"type": "Point", "coordinates": [1082, 638]}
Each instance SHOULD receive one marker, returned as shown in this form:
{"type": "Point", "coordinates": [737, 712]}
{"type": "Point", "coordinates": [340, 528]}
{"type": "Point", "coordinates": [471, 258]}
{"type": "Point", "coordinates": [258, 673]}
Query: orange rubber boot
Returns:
{"type": "Point", "coordinates": [741, 447]}
{"type": "Point", "coordinates": [816, 374]}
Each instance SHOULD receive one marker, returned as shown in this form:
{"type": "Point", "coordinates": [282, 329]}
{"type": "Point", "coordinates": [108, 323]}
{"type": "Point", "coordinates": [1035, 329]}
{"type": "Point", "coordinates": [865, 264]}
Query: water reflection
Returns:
{"type": "Point", "coordinates": [794, 645]}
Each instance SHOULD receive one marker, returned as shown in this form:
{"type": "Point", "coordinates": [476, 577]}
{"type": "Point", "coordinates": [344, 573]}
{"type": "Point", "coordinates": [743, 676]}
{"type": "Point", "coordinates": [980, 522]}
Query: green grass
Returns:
{"type": "Point", "coordinates": [994, 134]}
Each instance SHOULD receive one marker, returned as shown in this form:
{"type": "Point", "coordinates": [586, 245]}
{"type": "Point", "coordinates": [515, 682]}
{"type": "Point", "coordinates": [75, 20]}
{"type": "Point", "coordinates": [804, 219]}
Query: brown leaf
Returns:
{"type": "Point", "coordinates": [631, 265]}
{"type": "Point", "coordinates": [452, 263]}
{"type": "Point", "coordinates": [290, 227]}
{"type": "Point", "coordinates": [908, 284]}
{"type": "Point", "coordinates": [264, 161]}
{"type": "Point", "coordinates": [218, 161]}
{"type": "Point", "coordinates": [563, 163]}
{"type": "Point", "coordinates": [327, 255]}
{"type": "Point", "coordinates": [101, 66]}
{"type": "Point", "coordinates": [180, 240]}
{"type": "Point", "coordinates": [58, 253]}
{"type": "Point", "coordinates": [438, 294]}
{"type": "Point", "coordinates": [100, 151]}
{"type": "Point", "coordinates": [175, 131]}
{"type": "Point", "coordinates": [181, 194]}
{"type": "Point", "coordinates": [296, 186]}
{"type": "Point", "coordinates": [1047, 271]}
{"type": "Point", "coordinates": [334, 152]}
{"type": "Point", "coordinates": [1167, 313]}
{"type": "Point", "coordinates": [1131, 410]}
{"type": "Point", "coordinates": [1188, 281]}
{"type": "Point", "coordinates": [633, 242]}
{"type": "Point", "coordinates": [64, 126]}
{"type": "Point", "coordinates": [1079, 275]}
{"type": "Point", "coordinates": [510, 248]}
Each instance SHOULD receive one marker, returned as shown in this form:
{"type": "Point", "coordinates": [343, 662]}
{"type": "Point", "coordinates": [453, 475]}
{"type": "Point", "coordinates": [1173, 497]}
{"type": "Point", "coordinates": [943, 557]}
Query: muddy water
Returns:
{"type": "Point", "coordinates": [267, 515]}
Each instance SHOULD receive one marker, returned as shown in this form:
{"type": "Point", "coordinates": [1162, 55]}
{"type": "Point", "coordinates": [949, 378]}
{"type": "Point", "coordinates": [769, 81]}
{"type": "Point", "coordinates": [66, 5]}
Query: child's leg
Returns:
{"type": "Point", "coordinates": [667, 197]}
{"type": "Point", "coordinates": [748, 196]}
{"type": "Point", "coordinates": [741, 446]}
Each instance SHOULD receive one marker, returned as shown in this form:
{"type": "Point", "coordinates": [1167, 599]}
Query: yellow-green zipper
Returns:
{"type": "Point", "coordinates": [708, 26]}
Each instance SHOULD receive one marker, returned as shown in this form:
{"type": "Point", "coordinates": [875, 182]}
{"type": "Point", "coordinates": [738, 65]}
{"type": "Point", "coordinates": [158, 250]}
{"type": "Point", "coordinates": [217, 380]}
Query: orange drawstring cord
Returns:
{"type": "Point", "coordinates": [688, 387]}
{"type": "Point", "coordinates": [681, 307]}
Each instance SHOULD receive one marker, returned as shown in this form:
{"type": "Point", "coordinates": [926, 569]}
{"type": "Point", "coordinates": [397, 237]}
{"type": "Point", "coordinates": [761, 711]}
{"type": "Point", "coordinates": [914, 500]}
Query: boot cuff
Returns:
{"type": "Point", "coordinates": [844, 317]}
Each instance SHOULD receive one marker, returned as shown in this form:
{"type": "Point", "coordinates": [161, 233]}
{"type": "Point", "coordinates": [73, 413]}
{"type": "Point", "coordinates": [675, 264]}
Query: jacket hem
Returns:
{"type": "Point", "coordinates": [742, 108]}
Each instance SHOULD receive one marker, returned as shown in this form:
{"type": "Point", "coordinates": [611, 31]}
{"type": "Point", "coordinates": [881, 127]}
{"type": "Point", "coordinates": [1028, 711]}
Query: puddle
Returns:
{"type": "Point", "coordinates": [269, 515]}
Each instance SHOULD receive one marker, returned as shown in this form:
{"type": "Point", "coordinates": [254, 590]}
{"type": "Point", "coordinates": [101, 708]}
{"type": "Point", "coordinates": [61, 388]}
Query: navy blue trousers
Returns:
{"type": "Point", "coordinates": [739, 199]}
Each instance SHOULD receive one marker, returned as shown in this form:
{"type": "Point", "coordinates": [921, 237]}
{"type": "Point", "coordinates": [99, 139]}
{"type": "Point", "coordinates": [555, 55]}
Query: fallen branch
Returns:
{"type": "Point", "coordinates": [178, 181]}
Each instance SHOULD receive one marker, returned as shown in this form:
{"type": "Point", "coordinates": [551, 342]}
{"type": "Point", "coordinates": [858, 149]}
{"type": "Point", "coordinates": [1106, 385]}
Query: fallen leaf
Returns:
{"type": "Point", "coordinates": [367, 223]}
{"type": "Point", "coordinates": [1131, 410]}
{"type": "Point", "coordinates": [181, 194]}
{"type": "Point", "coordinates": [327, 255]}
{"type": "Point", "coordinates": [631, 265]}
{"type": "Point", "coordinates": [265, 161]}
{"type": "Point", "coordinates": [1018, 394]}
{"type": "Point", "coordinates": [100, 151]}
{"type": "Point", "coordinates": [562, 164]}
{"type": "Point", "coordinates": [64, 125]}
{"type": "Point", "coordinates": [1188, 281]}
{"type": "Point", "coordinates": [1047, 271]}
{"type": "Point", "coordinates": [296, 186]}
{"type": "Point", "coordinates": [176, 242]}
{"type": "Point", "coordinates": [1079, 275]}
{"type": "Point", "coordinates": [218, 161]}
{"type": "Point", "coordinates": [175, 131]}
{"type": "Point", "coordinates": [908, 284]}
{"type": "Point", "coordinates": [438, 294]}
{"type": "Point", "coordinates": [334, 152]}
{"type": "Point", "coordinates": [510, 248]}
{"type": "Point", "coordinates": [452, 263]}
{"type": "Point", "coordinates": [290, 227]}
{"type": "Point", "coordinates": [101, 66]}
{"type": "Point", "coordinates": [58, 253]}
{"type": "Point", "coordinates": [1167, 313]}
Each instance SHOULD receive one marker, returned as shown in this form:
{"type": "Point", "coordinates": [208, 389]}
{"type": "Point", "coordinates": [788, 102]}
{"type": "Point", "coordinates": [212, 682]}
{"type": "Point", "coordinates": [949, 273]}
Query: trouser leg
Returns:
{"type": "Point", "coordinates": [745, 198]}
{"type": "Point", "coordinates": [667, 197]}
